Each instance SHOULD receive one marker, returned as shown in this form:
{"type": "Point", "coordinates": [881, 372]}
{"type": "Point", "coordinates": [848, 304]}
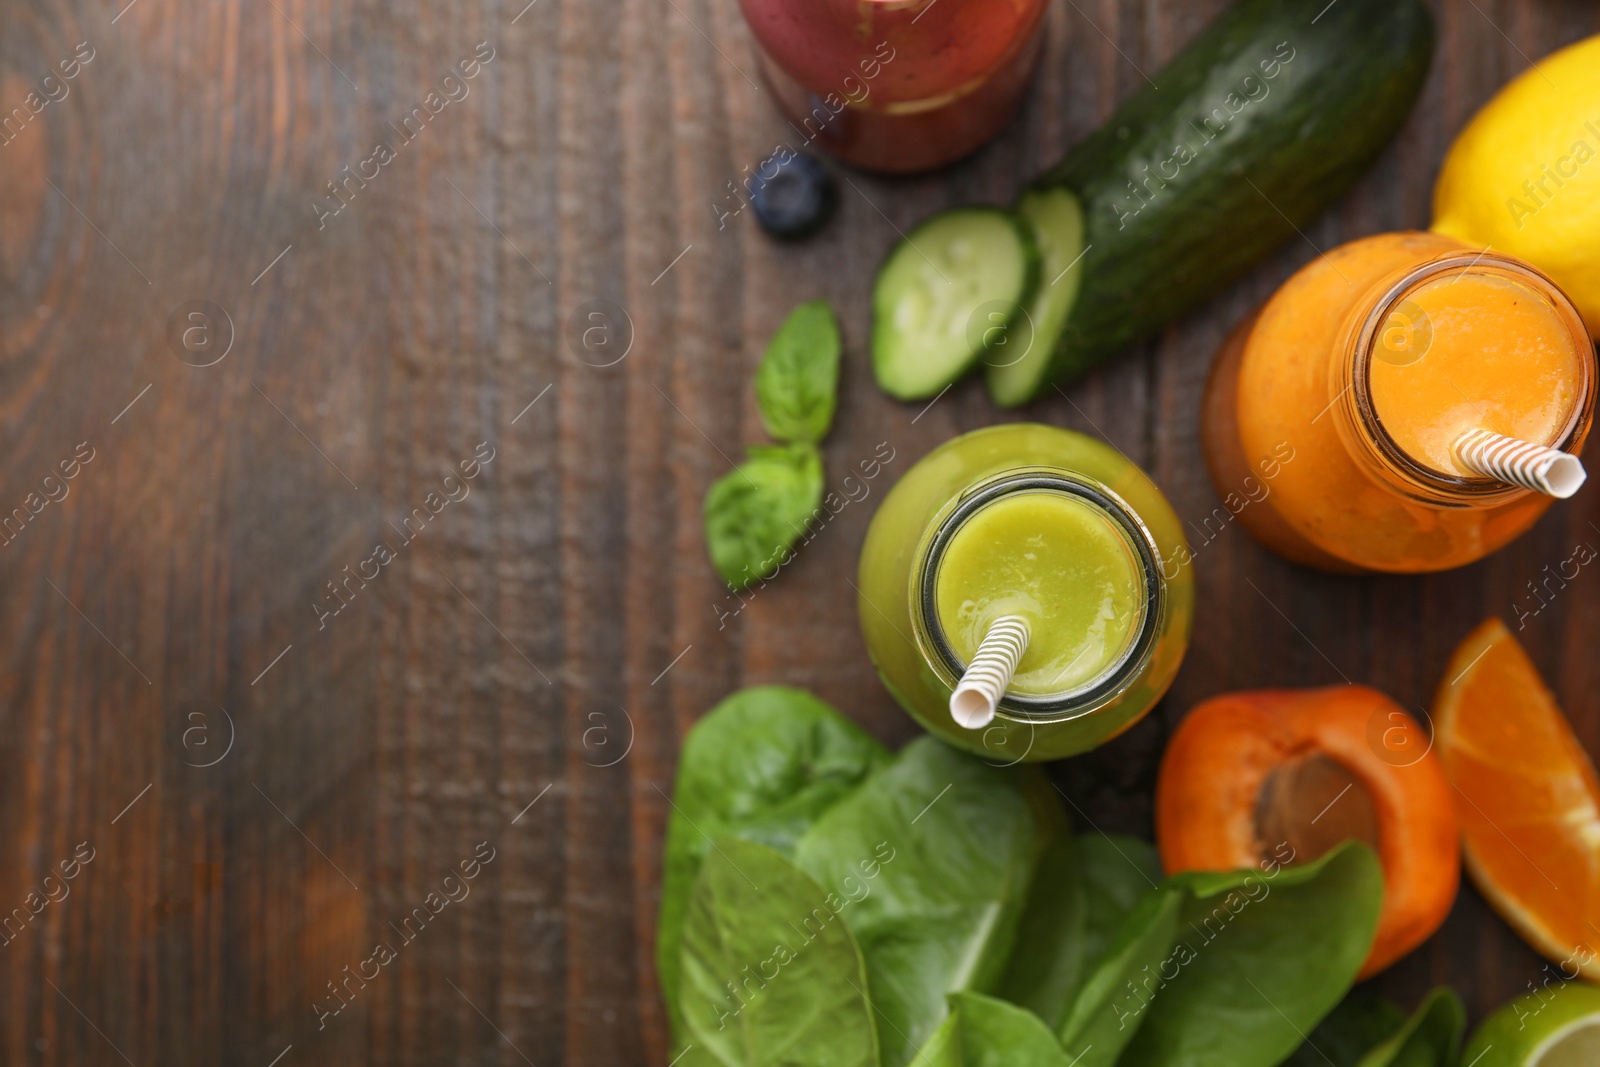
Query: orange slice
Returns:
{"type": "Point", "coordinates": [1527, 797]}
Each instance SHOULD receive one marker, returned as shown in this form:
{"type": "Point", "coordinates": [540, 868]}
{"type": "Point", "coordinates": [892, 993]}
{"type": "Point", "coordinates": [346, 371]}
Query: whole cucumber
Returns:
{"type": "Point", "coordinates": [1249, 134]}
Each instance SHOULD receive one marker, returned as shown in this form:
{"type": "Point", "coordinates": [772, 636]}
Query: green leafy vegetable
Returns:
{"type": "Point", "coordinates": [1118, 872]}
{"type": "Point", "coordinates": [756, 513]}
{"type": "Point", "coordinates": [955, 844]}
{"type": "Point", "coordinates": [762, 765]}
{"type": "Point", "coordinates": [1083, 890]}
{"type": "Point", "coordinates": [1046, 964]}
{"type": "Point", "coordinates": [770, 976]}
{"type": "Point", "coordinates": [993, 1033]}
{"type": "Point", "coordinates": [1430, 1038]}
{"type": "Point", "coordinates": [1262, 958]}
{"type": "Point", "coordinates": [797, 385]}
{"type": "Point", "coordinates": [1362, 1021]}
{"type": "Point", "coordinates": [1117, 996]}
{"type": "Point", "coordinates": [943, 1049]}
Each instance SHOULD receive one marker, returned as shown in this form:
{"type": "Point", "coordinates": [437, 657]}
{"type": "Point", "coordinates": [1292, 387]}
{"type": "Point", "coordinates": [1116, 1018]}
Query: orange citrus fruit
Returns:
{"type": "Point", "coordinates": [1527, 797]}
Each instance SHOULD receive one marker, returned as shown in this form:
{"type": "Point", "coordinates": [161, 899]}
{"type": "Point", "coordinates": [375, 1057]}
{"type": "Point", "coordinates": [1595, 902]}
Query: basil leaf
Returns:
{"type": "Point", "coordinates": [993, 1033]}
{"type": "Point", "coordinates": [770, 976]}
{"type": "Point", "coordinates": [758, 511]}
{"type": "Point", "coordinates": [1113, 1002]}
{"type": "Point", "coordinates": [762, 765]}
{"type": "Point", "coordinates": [1362, 1021]}
{"type": "Point", "coordinates": [1430, 1038]}
{"type": "Point", "coordinates": [1268, 957]}
{"type": "Point", "coordinates": [798, 383]}
{"type": "Point", "coordinates": [958, 842]}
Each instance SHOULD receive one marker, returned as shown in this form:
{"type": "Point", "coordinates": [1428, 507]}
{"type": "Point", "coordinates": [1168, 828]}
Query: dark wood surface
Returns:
{"type": "Point", "coordinates": [266, 790]}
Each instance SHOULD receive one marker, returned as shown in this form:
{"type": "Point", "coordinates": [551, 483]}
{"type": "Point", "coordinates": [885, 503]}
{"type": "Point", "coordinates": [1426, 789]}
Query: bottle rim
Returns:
{"type": "Point", "coordinates": [1119, 675]}
{"type": "Point", "coordinates": [1363, 427]}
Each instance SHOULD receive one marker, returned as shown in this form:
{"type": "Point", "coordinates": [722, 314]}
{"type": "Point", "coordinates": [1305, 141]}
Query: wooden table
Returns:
{"type": "Point", "coordinates": [276, 742]}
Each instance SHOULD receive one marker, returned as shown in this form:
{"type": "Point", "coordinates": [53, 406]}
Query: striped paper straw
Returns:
{"type": "Point", "coordinates": [1544, 470]}
{"type": "Point", "coordinates": [989, 674]}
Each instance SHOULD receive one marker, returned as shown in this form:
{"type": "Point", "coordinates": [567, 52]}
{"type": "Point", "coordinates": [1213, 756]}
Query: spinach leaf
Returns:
{"type": "Point", "coordinates": [1114, 1001]}
{"type": "Point", "coordinates": [935, 852]}
{"type": "Point", "coordinates": [997, 1034]}
{"type": "Point", "coordinates": [1362, 1021]}
{"type": "Point", "coordinates": [1430, 1038]}
{"type": "Point", "coordinates": [798, 383]}
{"type": "Point", "coordinates": [943, 1049]}
{"type": "Point", "coordinates": [756, 513]}
{"type": "Point", "coordinates": [1083, 890]}
{"type": "Point", "coordinates": [769, 976]}
{"type": "Point", "coordinates": [1262, 958]}
{"type": "Point", "coordinates": [1118, 872]}
{"type": "Point", "coordinates": [1046, 964]}
{"type": "Point", "coordinates": [762, 765]}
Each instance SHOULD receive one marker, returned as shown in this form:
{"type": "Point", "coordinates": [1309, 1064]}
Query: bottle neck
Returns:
{"type": "Point", "coordinates": [1151, 597]}
{"type": "Point", "coordinates": [1388, 326]}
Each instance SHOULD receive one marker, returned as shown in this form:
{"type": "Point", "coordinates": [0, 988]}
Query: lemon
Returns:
{"type": "Point", "coordinates": [1523, 178]}
{"type": "Point", "coordinates": [1555, 1026]}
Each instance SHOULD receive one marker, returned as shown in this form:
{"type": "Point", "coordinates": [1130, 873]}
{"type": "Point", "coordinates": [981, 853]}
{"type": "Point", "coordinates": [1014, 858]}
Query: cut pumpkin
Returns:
{"type": "Point", "coordinates": [1277, 776]}
{"type": "Point", "coordinates": [1526, 794]}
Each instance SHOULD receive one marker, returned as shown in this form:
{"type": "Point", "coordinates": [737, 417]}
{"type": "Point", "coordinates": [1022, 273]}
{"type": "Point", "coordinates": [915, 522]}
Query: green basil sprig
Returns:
{"type": "Point", "coordinates": [797, 386]}
{"type": "Point", "coordinates": [755, 513]}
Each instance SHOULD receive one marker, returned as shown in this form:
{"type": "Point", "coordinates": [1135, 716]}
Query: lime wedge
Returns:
{"type": "Point", "coordinates": [1571, 1046]}
{"type": "Point", "coordinates": [1558, 1026]}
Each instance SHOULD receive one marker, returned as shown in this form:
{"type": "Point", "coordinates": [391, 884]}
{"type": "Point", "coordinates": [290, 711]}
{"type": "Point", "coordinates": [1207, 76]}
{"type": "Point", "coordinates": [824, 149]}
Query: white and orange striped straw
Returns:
{"type": "Point", "coordinates": [1544, 470]}
{"type": "Point", "coordinates": [988, 676]}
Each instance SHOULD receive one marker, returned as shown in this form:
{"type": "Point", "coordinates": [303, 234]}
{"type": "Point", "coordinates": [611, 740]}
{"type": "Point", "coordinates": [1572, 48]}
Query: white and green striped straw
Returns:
{"type": "Point", "coordinates": [988, 676]}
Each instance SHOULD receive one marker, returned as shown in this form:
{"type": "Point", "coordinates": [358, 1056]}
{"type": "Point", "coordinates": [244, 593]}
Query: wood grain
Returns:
{"type": "Point", "coordinates": [271, 789]}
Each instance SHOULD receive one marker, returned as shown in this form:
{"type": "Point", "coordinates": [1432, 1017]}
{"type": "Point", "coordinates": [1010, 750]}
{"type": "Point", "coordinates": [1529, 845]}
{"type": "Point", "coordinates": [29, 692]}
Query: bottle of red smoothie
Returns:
{"type": "Point", "coordinates": [897, 85]}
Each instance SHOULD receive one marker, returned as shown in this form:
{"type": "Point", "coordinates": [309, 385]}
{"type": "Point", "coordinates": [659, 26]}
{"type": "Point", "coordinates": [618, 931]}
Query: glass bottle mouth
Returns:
{"type": "Point", "coordinates": [1378, 446]}
{"type": "Point", "coordinates": [1120, 673]}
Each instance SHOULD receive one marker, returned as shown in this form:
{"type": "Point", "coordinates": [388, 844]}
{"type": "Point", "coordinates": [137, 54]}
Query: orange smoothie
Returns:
{"type": "Point", "coordinates": [1337, 404]}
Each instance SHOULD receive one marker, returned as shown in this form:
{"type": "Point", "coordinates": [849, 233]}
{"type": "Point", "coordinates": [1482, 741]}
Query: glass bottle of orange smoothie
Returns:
{"type": "Point", "coordinates": [1335, 414]}
{"type": "Point", "coordinates": [1051, 527]}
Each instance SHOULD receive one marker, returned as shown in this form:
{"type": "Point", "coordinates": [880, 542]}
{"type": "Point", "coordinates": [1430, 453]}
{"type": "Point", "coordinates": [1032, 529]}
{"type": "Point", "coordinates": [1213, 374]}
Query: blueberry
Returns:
{"type": "Point", "coordinates": [793, 195]}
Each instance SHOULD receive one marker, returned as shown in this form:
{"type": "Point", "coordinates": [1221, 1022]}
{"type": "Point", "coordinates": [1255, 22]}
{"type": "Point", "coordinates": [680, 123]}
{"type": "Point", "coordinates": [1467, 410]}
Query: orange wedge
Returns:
{"type": "Point", "coordinates": [1527, 797]}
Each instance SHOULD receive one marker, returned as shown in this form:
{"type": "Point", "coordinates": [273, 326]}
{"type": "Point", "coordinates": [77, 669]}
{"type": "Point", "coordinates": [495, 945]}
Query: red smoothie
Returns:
{"type": "Point", "coordinates": [897, 85]}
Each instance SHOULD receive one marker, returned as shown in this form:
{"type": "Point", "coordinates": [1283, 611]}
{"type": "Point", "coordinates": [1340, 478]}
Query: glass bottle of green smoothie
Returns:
{"type": "Point", "coordinates": [1049, 526]}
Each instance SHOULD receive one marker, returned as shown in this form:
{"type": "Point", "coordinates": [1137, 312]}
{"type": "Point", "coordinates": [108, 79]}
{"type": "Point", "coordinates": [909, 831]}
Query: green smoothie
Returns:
{"type": "Point", "coordinates": [1050, 525]}
{"type": "Point", "coordinates": [1057, 561]}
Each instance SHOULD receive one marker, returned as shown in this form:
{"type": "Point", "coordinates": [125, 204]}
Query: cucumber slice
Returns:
{"type": "Point", "coordinates": [1057, 221]}
{"type": "Point", "coordinates": [947, 294]}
